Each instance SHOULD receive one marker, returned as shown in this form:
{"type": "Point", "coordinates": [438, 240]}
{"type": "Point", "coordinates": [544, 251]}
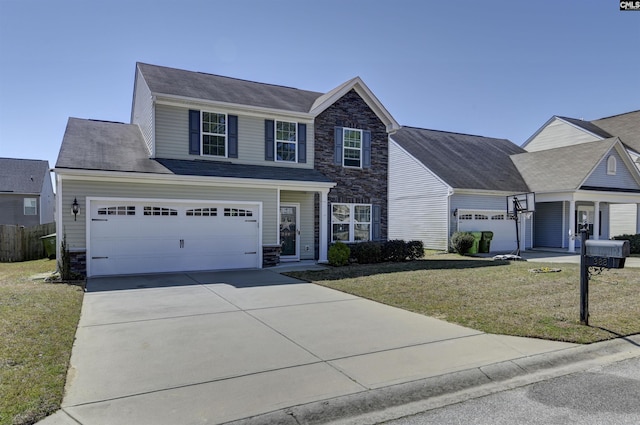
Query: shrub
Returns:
{"type": "Point", "coordinates": [395, 250]}
{"type": "Point", "coordinates": [634, 242]}
{"type": "Point", "coordinates": [416, 249]}
{"type": "Point", "coordinates": [367, 252]}
{"type": "Point", "coordinates": [461, 242]}
{"type": "Point", "coordinates": [339, 254]}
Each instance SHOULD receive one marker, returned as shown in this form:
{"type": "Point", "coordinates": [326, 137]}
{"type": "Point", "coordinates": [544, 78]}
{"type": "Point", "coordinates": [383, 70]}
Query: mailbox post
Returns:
{"type": "Point", "coordinates": [603, 254]}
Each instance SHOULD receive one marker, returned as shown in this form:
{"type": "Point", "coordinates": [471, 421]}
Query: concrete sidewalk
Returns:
{"type": "Point", "coordinates": [259, 347]}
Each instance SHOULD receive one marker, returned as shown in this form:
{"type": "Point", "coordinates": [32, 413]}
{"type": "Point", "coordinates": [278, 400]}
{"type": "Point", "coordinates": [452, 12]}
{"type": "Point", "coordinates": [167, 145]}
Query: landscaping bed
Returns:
{"type": "Point", "coordinates": [498, 296]}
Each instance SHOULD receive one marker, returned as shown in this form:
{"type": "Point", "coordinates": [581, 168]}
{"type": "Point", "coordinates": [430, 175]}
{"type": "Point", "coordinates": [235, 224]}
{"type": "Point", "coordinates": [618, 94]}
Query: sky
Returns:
{"type": "Point", "coordinates": [494, 68]}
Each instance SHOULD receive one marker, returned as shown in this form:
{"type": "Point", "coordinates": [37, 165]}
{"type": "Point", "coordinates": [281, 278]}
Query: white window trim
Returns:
{"type": "Point", "coordinates": [276, 140]}
{"type": "Point", "coordinates": [352, 221]}
{"type": "Point", "coordinates": [226, 134]}
{"type": "Point", "coordinates": [344, 147]}
{"type": "Point", "coordinates": [612, 165]}
{"type": "Point", "coordinates": [24, 206]}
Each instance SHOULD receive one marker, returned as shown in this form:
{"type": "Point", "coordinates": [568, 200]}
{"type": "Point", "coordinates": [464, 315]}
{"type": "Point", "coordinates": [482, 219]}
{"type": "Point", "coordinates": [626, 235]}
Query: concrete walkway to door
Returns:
{"type": "Point", "coordinates": [259, 347]}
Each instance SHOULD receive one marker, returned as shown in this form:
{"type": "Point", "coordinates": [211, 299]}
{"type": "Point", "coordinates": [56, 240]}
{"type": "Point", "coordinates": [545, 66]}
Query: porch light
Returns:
{"type": "Point", "coordinates": [75, 209]}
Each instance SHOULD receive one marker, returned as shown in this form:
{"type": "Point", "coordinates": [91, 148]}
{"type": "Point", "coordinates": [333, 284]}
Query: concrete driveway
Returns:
{"type": "Point", "coordinates": [213, 347]}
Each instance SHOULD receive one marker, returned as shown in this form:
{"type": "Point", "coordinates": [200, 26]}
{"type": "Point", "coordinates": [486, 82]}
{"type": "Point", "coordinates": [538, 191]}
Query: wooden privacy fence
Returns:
{"type": "Point", "coordinates": [19, 243]}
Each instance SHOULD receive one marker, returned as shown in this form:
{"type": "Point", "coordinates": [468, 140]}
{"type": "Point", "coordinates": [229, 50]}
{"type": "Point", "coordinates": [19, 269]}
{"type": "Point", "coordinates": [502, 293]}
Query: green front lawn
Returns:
{"type": "Point", "coordinates": [498, 296]}
{"type": "Point", "coordinates": [37, 326]}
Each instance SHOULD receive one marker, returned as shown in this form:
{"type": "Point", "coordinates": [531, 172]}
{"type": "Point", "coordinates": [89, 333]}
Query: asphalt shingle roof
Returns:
{"type": "Point", "coordinates": [561, 169]}
{"type": "Point", "coordinates": [464, 161]}
{"type": "Point", "coordinates": [22, 175]}
{"type": "Point", "coordinates": [198, 85]}
{"type": "Point", "coordinates": [586, 125]}
{"type": "Point", "coordinates": [109, 146]}
{"type": "Point", "coordinates": [625, 126]}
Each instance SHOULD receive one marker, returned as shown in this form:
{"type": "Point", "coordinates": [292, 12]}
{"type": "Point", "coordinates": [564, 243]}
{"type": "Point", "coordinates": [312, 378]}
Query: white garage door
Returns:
{"type": "Point", "coordinates": [496, 221]}
{"type": "Point", "coordinates": [128, 237]}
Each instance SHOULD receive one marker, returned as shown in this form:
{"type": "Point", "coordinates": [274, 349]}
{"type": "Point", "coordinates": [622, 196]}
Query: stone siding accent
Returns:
{"type": "Point", "coordinates": [78, 262]}
{"type": "Point", "coordinates": [367, 185]}
{"type": "Point", "coordinates": [271, 255]}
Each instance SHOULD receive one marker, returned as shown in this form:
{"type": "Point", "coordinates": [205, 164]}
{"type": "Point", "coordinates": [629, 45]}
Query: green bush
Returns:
{"type": "Point", "coordinates": [634, 242]}
{"type": "Point", "coordinates": [367, 252]}
{"type": "Point", "coordinates": [416, 249]}
{"type": "Point", "coordinates": [395, 250]}
{"type": "Point", "coordinates": [461, 242]}
{"type": "Point", "coordinates": [339, 254]}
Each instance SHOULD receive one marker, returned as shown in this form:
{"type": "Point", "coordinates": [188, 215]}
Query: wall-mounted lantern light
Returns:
{"type": "Point", "coordinates": [75, 209]}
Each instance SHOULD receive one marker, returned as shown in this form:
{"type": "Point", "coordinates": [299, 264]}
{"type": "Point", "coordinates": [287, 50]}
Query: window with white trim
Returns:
{"type": "Point", "coordinates": [30, 206]}
{"type": "Point", "coordinates": [286, 141]}
{"type": "Point", "coordinates": [612, 165]}
{"type": "Point", "coordinates": [214, 134]}
{"type": "Point", "coordinates": [350, 222]}
{"type": "Point", "coordinates": [351, 147]}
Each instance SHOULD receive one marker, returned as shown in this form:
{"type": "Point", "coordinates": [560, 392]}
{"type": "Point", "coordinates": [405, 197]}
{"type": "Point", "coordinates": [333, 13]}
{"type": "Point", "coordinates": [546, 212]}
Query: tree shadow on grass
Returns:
{"type": "Point", "coordinates": [362, 270]}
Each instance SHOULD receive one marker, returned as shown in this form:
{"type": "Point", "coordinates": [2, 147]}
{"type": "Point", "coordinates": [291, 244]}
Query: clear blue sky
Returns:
{"type": "Point", "coordinates": [494, 68]}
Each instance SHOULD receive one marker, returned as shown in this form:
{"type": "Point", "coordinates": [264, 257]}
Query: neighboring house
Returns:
{"type": "Point", "coordinates": [221, 173]}
{"type": "Point", "coordinates": [560, 132]}
{"type": "Point", "coordinates": [26, 192]}
{"type": "Point", "coordinates": [441, 182]}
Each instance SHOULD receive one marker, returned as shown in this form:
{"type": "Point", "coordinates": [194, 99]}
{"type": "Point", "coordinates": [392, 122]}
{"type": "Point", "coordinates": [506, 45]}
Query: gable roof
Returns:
{"type": "Point", "coordinates": [562, 169]}
{"type": "Point", "coordinates": [625, 126]}
{"type": "Point", "coordinates": [25, 176]}
{"type": "Point", "coordinates": [588, 126]}
{"type": "Point", "coordinates": [216, 88]}
{"type": "Point", "coordinates": [464, 161]}
{"type": "Point", "coordinates": [111, 146]}
{"type": "Point", "coordinates": [198, 85]}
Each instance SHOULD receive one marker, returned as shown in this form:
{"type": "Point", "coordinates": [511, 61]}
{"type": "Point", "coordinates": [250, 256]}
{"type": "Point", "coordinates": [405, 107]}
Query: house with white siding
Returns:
{"type": "Point", "coordinates": [622, 212]}
{"type": "Point", "coordinates": [26, 192]}
{"type": "Point", "coordinates": [215, 172]}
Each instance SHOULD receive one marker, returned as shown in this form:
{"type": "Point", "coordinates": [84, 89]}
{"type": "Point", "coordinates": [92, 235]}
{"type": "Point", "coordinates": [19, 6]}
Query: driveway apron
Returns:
{"type": "Point", "coordinates": [213, 347]}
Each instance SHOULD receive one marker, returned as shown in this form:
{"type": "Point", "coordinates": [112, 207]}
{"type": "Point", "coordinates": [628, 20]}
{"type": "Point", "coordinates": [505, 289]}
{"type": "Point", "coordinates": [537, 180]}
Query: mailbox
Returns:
{"type": "Point", "coordinates": [609, 254]}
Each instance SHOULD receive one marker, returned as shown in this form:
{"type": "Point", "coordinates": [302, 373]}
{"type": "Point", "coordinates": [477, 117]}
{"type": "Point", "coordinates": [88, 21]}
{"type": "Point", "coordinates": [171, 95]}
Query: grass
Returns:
{"type": "Point", "coordinates": [498, 296]}
{"type": "Point", "coordinates": [37, 327]}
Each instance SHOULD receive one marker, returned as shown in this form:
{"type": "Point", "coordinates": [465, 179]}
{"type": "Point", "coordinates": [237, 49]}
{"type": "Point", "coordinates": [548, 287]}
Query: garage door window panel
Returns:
{"type": "Point", "coordinates": [160, 211]}
{"type": "Point", "coordinates": [117, 210]}
{"type": "Point", "coordinates": [202, 212]}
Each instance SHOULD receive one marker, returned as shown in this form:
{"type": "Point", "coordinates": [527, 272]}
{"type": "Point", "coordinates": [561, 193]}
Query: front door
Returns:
{"type": "Point", "coordinates": [289, 231]}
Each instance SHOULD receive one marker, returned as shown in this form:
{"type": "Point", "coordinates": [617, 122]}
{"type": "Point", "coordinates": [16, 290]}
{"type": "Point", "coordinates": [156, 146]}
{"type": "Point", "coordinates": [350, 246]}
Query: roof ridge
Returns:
{"type": "Point", "coordinates": [229, 78]}
{"type": "Point", "coordinates": [452, 132]}
{"type": "Point", "coordinates": [616, 115]}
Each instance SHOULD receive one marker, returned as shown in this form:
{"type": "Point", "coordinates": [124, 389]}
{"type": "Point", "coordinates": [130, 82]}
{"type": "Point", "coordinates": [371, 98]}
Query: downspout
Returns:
{"type": "Point", "coordinates": [450, 193]}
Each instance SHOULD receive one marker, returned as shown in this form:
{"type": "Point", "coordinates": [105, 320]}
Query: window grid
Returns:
{"type": "Point", "coordinates": [30, 206]}
{"type": "Point", "coordinates": [214, 134]}
{"type": "Point", "coordinates": [202, 212]}
{"type": "Point", "coordinates": [237, 212]}
{"type": "Point", "coordinates": [352, 147]}
{"type": "Point", "coordinates": [160, 211]}
{"type": "Point", "coordinates": [350, 222]}
{"type": "Point", "coordinates": [118, 210]}
{"type": "Point", "coordinates": [286, 141]}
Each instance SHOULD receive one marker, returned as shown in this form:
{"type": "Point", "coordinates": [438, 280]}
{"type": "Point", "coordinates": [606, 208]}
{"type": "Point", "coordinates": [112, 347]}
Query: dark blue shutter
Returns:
{"type": "Point", "coordinates": [268, 140]}
{"type": "Point", "coordinates": [366, 149]}
{"type": "Point", "coordinates": [338, 146]}
{"type": "Point", "coordinates": [194, 132]}
{"type": "Point", "coordinates": [232, 135]}
{"type": "Point", "coordinates": [375, 231]}
{"type": "Point", "coordinates": [302, 143]}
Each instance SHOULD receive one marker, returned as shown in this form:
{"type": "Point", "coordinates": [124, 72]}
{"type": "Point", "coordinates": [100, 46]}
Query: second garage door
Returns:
{"type": "Point", "coordinates": [128, 237]}
{"type": "Point", "coordinates": [496, 221]}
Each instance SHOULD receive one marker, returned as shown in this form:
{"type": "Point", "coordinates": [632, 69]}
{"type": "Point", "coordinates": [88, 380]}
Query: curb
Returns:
{"type": "Point", "coordinates": [396, 401]}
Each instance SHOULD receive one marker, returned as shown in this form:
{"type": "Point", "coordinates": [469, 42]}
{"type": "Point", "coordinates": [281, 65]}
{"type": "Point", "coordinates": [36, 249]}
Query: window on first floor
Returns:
{"type": "Point", "coordinates": [30, 206]}
{"type": "Point", "coordinates": [350, 222]}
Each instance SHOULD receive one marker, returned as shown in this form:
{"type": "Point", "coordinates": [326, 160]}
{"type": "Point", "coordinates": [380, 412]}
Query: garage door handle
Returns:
{"type": "Point", "coordinates": [99, 219]}
{"type": "Point", "coordinates": [99, 258]}
{"type": "Point", "coordinates": [254, 252]}
{"type": "Point", "coordinates": [181, 243]}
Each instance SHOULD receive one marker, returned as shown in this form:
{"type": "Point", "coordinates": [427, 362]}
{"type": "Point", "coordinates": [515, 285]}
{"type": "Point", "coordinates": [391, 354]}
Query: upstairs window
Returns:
{"type": "Point", "coordinates": [286, 141]}
{"type": "Point", "coordinates": [612, 165]}
{"type": "Point", "coordinates": [30, 206]}
{"type": "Point", "coordinates": [352, 147]}
{"type": "Point", "coordinates": [214, 134]}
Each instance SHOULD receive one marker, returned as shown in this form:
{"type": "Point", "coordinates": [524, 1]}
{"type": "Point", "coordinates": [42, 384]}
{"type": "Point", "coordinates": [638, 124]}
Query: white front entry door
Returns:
{"type": "Point", "coordinates": [129, 236]}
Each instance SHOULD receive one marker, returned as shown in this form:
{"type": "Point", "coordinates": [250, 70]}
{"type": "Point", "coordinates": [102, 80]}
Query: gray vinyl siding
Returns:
{"type": "Point", "coordinates": [142, 113]}
{"type": "Point", "coordinates": [12, 210]}
{"type": "Point", "coordinates": [622, 219]}
{"type": "Point", "coordinates": [47, 201]}
{"type": "Point", "coordinates": [306, 220]}
{"type": "Point", "coordinates": [172, 141]}
{"type": "Point", "coordinates": [76, 230]}
{"type": "Point", "coordinates": [418, 201]}
{"type": "Point", "coordinates": [548, 225]}
{"type": "Point", "coordinates": [478, 202]}
{"type": "Point", "coordinates": [558, 134]}
{"type": "Point", "coordinates": [623, 179]}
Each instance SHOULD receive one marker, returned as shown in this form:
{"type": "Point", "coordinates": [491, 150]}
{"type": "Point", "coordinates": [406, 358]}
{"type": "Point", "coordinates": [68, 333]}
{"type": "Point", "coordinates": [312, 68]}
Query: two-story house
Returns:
{"type": "Point", "coordinates": [26, 192]}
{"type": "Point", "coordinates": [220, 173]}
